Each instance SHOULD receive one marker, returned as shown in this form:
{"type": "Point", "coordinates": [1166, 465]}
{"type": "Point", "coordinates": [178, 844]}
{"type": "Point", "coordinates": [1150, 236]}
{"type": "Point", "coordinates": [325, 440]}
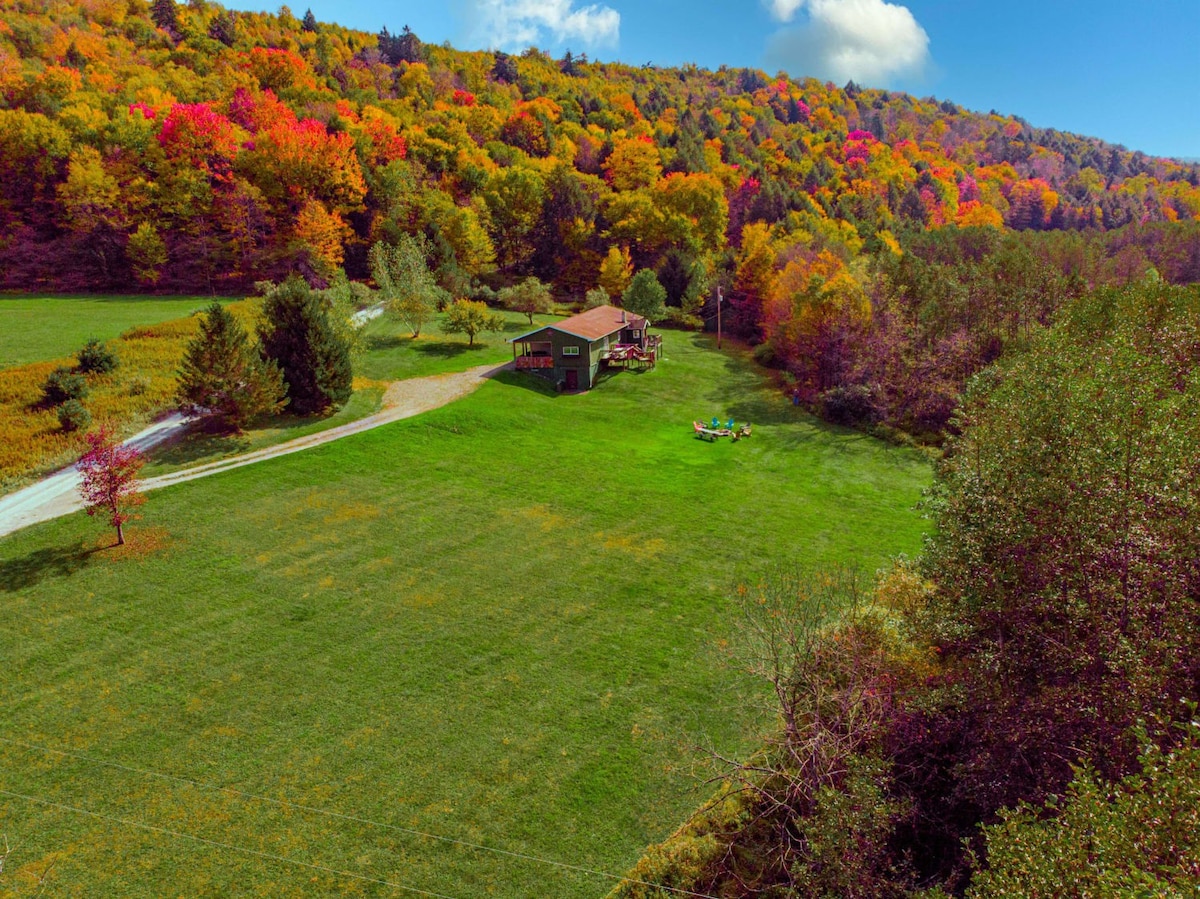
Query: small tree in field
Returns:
{"type": "Point", "coordinates": [471, 317]}
{"type": "Point", "coordinates": [529, 297]}
{"type": "Point", "coordinates": [109, 484]}
{"type": "Point", "coordinates": [407, 286]}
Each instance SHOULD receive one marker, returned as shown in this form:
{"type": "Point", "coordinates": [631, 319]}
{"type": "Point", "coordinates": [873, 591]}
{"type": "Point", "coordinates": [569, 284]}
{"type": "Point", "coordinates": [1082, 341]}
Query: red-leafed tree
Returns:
{"type": "Point", "coordinates": [109, 485]}
{"type": "Point", "coordinates": [197, 136]}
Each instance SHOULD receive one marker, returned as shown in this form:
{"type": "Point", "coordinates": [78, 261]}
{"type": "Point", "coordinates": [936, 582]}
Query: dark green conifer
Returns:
{"type": "Point", "coordinates": [224, 375]}
{"type": "Point", "coordinates": [165, 16]}
{"type": "Point", "coordinates": [298, 335]}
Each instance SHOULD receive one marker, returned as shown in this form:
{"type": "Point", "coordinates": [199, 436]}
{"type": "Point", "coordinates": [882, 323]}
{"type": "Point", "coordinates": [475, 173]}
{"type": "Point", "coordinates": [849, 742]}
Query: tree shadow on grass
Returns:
{"type": "Point", "coordinates": [749, 398]}
{"type": "Point", "coordinates": [445, 349]}
{"type": "Point", "coordinates": [526, 381]}
{"type": "Point", "coordinates": [53, 561]}
{"type": "Point", "coordinates": [198, 444]}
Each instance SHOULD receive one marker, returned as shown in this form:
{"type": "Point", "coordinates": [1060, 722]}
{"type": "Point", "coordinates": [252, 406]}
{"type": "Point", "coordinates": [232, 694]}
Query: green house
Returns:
{"type": "Point", "coordinates": [572, 352]}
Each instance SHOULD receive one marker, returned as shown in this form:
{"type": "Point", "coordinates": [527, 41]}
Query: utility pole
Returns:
{"type": "Point", "coordinates": [719, 299]}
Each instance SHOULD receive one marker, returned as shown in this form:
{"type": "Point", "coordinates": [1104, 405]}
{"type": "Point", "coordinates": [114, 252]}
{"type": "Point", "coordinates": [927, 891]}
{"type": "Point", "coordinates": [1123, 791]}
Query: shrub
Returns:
{"type": "Point", "coordinates": [96, 358]}
{"type": "Point", "coordinates": [1139, 836]}
{"type": "Point", "coordinates": [74, 416]}
{"type": "Point", "coordinates": [678, 318]}
{"type": "Point", "coordinates": [138, 385]}
{"type": "Point", "coordinates": [765, 355]}
{"type": "Point", "coordinates": [853, 405]}
{"type": "Point", "coordinates": [63, 384]}
{"type": "Point", "coordinates": [597, 296]}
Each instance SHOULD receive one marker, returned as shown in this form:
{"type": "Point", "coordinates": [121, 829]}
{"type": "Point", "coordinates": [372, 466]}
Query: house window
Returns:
{"type": "Point", "coordinates": [637, 334]}
{"type": "Point", "coordinates": [570, 351]}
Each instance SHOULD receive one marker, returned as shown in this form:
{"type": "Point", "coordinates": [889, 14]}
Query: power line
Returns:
{"type": "Point", "coordinates": [357, 820]}
{"type": "Point", "coordinates": [188, 836]}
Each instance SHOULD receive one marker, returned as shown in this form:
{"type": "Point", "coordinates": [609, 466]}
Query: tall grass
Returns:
{"type": "Point", "coordinates": [141, 387]}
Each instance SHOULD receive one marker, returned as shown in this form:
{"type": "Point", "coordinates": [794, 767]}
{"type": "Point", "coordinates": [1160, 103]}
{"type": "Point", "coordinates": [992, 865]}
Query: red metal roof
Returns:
{"type": "Point", "coordinates": [593, 324]}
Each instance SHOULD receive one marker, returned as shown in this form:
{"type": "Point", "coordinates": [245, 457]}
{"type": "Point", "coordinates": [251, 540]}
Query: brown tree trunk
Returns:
{"type": "Point", "coordinates": [120, 535]}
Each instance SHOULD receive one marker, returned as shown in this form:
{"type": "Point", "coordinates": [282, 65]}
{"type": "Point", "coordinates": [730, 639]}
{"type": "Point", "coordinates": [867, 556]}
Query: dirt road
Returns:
{"type": "Point", "coordinates": [58, 494]}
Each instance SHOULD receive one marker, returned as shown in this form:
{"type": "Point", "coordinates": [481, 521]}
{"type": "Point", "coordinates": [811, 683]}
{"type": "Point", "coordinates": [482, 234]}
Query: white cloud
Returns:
{"type": "Point", "coordinates": [517, 24]}
{"type": "Point", "coordinates": [784, 10]}
{"type": "Point", "coordinates": [868, 41]}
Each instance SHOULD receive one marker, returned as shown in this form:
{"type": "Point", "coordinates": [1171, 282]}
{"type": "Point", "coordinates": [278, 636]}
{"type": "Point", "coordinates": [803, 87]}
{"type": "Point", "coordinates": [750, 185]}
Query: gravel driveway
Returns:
{"type": "Point", "coordinates": [58, 494]}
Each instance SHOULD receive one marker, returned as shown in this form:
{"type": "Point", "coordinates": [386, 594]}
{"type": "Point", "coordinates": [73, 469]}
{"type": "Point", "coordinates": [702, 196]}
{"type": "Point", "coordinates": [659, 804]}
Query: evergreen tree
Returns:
{"type": "Point", "coordinates": [298, 335]}
{"type": "Point", "coordinates": [224, 375]}
{"type": "Point", "coordinates": [408, 47]}
{"type": "Point", "coordinates": [310, 22]}
{"type": "Point", "coordinates": [386, 43]}
{"type": "Point", "coordinates": [505, 68]}
{"type": "Point", "coordinates": [165, 16]}
{"type": "Point", "coordinates": [223, 27]}
{"type": "Point", "coordinates": [675, 275]}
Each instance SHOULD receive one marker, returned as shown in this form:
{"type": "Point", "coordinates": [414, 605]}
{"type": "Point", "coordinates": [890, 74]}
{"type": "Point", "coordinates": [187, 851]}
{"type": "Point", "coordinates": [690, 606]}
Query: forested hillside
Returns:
{"type": "Point", "coordinates": [191, 147]}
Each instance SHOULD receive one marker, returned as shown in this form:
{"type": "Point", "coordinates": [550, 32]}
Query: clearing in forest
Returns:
{"type": "Point", "coordinates": [499, 622]}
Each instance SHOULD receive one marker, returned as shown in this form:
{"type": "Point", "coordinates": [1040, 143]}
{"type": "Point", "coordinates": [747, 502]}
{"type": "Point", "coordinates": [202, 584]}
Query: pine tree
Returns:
{"type": "Point", "coordinates": [298, 335]}
{"type": "Point", "coordinates": [224, 375]}
{"type": "Point", "coordinates": [310, 22]}
{"type": "Point", "coordinates": [505, 68]}
{"type": "Point", "coordinates": [165, 16]}
{"type": "Point", "coordinates": [408, 46]}
{"type": "Point", "coordinates": [223, 27]}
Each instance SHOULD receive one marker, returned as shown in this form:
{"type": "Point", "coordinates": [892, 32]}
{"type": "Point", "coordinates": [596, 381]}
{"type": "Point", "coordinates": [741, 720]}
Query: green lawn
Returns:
{"type": "Point", "coordinates": [498, 622]}
{"type": "Point", "coordinates": [392, 354]}
{"type": "Point", "coordinates": [34, 328]}
{"type": "Point", "coordinates": [199, 447]}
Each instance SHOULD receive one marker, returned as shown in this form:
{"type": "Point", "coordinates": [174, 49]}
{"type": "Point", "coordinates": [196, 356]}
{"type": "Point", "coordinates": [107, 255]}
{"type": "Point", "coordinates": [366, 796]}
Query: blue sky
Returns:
{"type": "Point", "coordinates": [1126, 72]}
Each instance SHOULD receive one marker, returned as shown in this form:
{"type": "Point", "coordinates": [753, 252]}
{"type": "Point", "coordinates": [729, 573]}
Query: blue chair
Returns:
{"type": "Point", "coordinates": [716, 422]}
{"type": "Point", "coordinates": [730, 424]}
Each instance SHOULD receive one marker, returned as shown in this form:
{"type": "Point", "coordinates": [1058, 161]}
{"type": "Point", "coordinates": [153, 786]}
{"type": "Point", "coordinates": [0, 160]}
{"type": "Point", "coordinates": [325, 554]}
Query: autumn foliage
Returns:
{"type": "Point", "coordinates": [108, 479]}
{"type": "Point", "coordinates": [188, 147]}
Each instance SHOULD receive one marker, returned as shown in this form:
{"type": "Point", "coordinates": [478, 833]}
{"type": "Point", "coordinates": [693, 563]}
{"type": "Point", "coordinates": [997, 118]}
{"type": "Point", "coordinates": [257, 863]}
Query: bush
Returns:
{"type": "Point", "coordinates": [765, 355]}
{"type": "Point", "coordinates": [138, 385]}
{"type": "Point", "coordinates": [677, 318]}
{"type": "Point", "coordinates": [1139, 836]}
{"type": "Point", "coordinates": [73, 416]}
{"type": "Point", "coordinates": [96, 358]}
{"type": "Point", "coordinates": [63, 384]}
{"type": "Point", "coordinates": [596, 297]}
{"type": "Point", "coordinates": [853, 405]}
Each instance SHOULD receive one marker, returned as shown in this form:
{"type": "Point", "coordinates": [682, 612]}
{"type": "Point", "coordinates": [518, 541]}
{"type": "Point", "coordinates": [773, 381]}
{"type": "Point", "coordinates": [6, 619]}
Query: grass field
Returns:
{"type": "Point", "coordinates": [198, 446]}
{"type": "Point", "coordinates": [392, 354]}
{"type": "Point", "coordinates": [34, 328]}
{"type": "Point", "coordinates": [499, 623]}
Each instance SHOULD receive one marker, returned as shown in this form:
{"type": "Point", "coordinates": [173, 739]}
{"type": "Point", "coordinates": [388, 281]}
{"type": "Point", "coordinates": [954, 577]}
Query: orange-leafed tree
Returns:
{"type": "Point", "coordinates": [108, 482]}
